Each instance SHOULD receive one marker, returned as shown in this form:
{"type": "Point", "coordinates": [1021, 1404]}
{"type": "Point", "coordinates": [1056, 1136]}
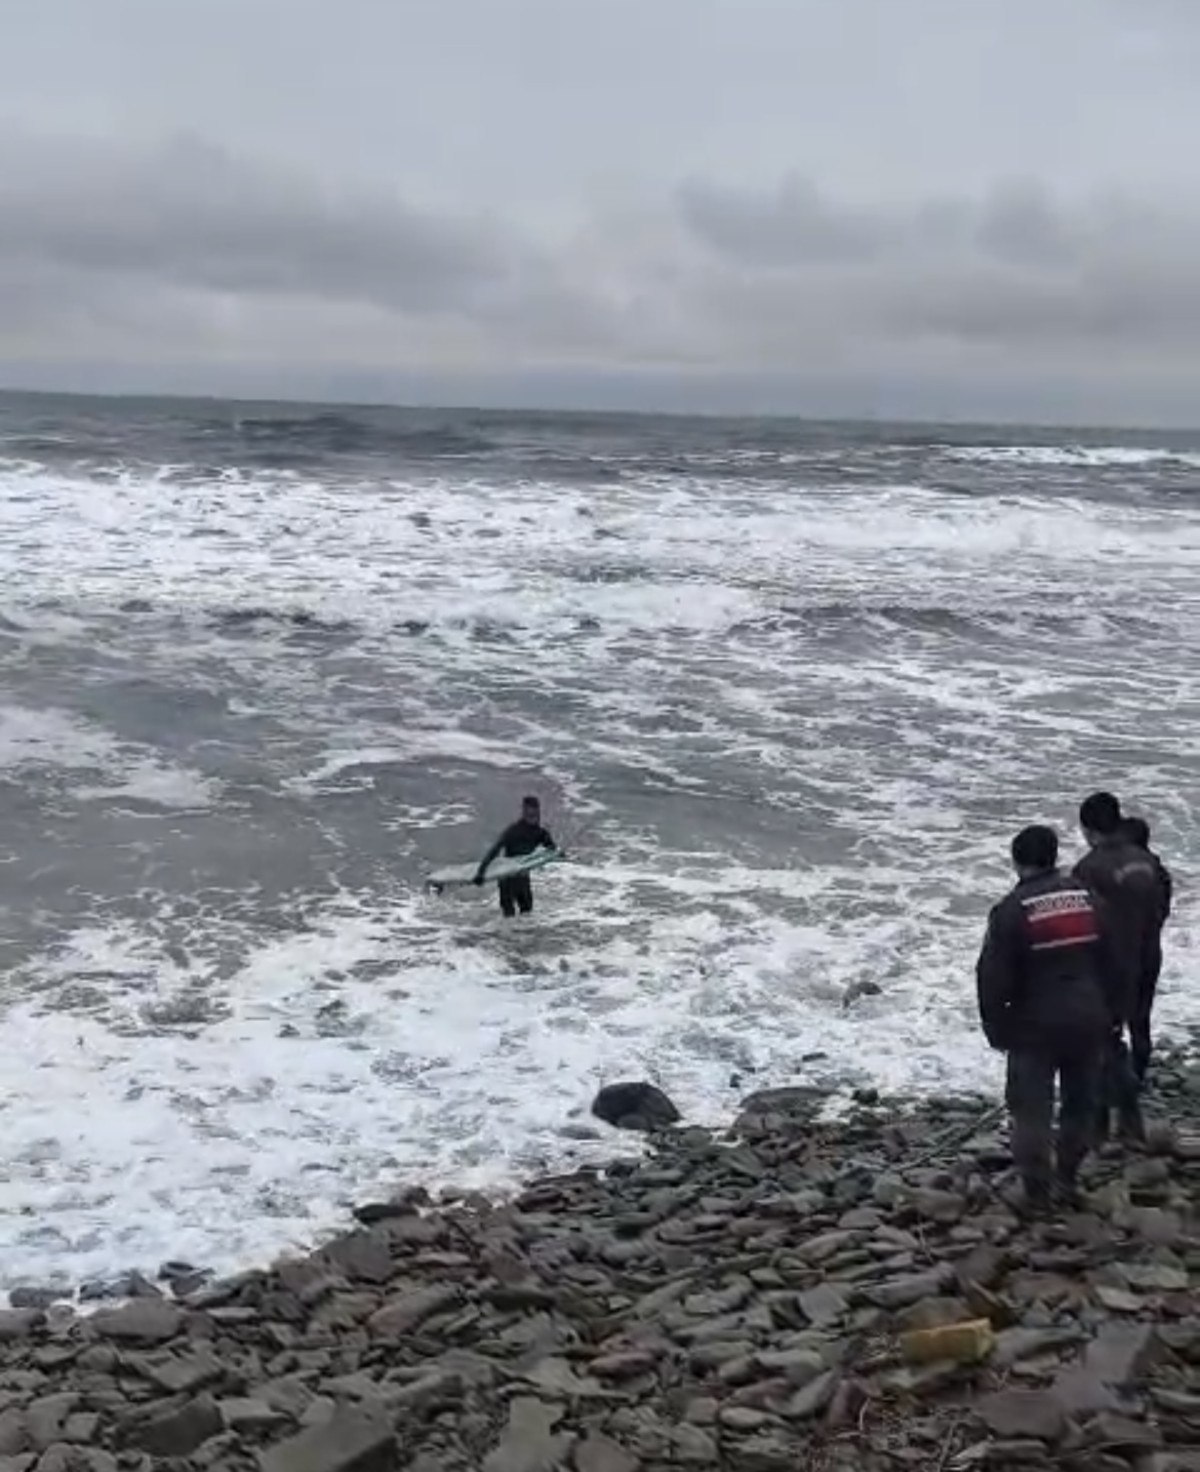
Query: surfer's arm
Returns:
{"type": "Point", "coordinates": [492, 853]}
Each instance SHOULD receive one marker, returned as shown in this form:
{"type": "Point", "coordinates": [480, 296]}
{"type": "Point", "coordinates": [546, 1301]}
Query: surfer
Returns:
{"type": "Point", "coordinates": [1046, 999]}
{"type": "Point", "coordinates": [524, 836]}
{"type": "Point", "coordinates": [1137, 831]}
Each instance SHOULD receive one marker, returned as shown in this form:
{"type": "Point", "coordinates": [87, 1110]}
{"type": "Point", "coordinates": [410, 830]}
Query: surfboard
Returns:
{"type": "Point", "coordinates": [501, 868]}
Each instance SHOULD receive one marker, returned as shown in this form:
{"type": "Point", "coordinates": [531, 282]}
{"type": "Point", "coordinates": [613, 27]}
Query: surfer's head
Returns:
{"type": "Point", "coordinates": [531, 810]}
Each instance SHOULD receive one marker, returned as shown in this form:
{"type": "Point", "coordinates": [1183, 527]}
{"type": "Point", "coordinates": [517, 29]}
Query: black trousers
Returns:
{"type": "Point", "coordinates": [1077, 1068]}
{"type": "Point", "coordinates": [1139, 1023]}
{"type": "Point", "coordinates": [516, 894]}
{"type": "Point", "coordinates": [1120, 1090]}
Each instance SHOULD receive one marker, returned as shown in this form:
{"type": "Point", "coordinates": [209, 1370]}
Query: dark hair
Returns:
{"type": "Point", "coordinates": [531, 802]}
{"type": "Point", "coordinates": [1035, 848]}
{"type": "Point", "coordinates": [1100, 813]}
{"type": "Point", "coordinates": [1136, 830]}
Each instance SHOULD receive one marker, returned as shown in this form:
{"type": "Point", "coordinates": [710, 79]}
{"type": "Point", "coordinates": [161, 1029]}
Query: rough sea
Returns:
{"type": "Point", "coordinates": [786, 691]}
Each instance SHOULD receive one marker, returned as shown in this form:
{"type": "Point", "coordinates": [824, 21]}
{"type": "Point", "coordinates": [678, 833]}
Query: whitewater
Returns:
{"type": "Point", "coordinates": [785, 691]}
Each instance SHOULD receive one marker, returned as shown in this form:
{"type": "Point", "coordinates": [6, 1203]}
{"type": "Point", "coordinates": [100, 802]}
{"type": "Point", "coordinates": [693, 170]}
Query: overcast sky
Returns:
{"type": "Point", "coordinates": [959, 208]}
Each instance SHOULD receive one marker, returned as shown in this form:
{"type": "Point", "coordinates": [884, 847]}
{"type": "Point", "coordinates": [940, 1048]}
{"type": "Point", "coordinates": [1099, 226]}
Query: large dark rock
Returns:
{"type": "Point", "coordinates": [635, 1106]}
{"type": "Point", "coordinates": [350, 1441]}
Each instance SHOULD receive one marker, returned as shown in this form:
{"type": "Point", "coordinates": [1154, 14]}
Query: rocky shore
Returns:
{"type": "Point", "coordinates": [792, 1296]}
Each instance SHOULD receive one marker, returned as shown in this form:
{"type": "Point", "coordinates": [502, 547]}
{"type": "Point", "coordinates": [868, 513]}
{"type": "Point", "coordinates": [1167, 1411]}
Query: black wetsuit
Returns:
{"type": "Point", "coordinates": [1048, 996]}
{"type": "Point", "coordinates": [518, 839]}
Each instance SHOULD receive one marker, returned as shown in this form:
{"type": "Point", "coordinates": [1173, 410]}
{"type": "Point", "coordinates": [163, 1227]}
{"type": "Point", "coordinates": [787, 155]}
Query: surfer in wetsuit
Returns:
{"type": "Point", "coordinates": [519, 838]}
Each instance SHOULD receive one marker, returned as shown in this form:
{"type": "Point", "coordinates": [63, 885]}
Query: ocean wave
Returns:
{"type": "Point", "coordinates": [1089, 457]}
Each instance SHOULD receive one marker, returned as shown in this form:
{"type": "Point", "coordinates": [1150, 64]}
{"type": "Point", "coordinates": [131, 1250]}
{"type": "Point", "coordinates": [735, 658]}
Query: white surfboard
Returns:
{"type": "Point", "coordinates": [502, 868]}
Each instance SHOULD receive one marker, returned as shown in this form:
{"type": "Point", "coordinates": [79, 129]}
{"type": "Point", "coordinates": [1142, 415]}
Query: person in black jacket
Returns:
{"type": "Point", "coordinates": [1137, 831]}
{"type": "Point", "coordinates": [1124, 878]}
{"type": "Point", "coordinates": [1047, 999]}
{"type": "Point", "coordinates": [524, 836]}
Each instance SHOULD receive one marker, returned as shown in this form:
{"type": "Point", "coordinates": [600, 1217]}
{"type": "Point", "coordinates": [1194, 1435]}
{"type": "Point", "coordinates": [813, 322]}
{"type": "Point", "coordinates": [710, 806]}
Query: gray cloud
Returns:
{"type": "Point", "coordinates": [189, 263]}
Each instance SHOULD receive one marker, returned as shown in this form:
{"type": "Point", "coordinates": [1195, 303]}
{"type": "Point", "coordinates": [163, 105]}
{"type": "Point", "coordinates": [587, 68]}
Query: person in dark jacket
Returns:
{"type": "Point", "coordinates": [1046, 999]}
{"type": "Point", "coordinates": [524, 836]}
{"type": "Point", "coordinates": [1124, 878]}
{"type": "Point", "coordinates": [1137, 831]}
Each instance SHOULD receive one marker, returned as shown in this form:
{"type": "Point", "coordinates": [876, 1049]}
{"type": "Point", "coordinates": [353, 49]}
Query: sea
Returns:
{"type": "Point", "coordinates": [785, 689]}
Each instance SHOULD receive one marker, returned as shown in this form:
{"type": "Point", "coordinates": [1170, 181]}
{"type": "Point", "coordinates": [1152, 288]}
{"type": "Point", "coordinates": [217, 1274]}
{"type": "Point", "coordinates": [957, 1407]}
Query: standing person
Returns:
{"type": "Point", "coordinates": [1044, 999]}
{"type": "Point", "coordinates": [1123, 877]}
{"type": "Point", "coordinates": [1137, 831]}
{"type": "Point", "coordinates": [524, 836]}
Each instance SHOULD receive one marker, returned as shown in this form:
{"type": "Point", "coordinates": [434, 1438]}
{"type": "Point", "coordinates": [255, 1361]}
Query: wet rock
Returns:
{"type": "Point", "coordinates": [31, 1297]}
{"type": "Point", "coordinates": [1120, 1432]}
{"type": "Point", "coordinates": [597, 1453]}
{"type": "Point", "coordinates": [813, 1398]}
{"type": "Point", "coordinates": [529, 1442]}
{"type": "Point", "coordinates": [362, 1257]}
{"type": "Point", "coordinates": [1016, 1414]}
{"type": "Point", "coordinates": [19, 1323]}
{"type": "Point", "coordinates": [351, 1440]}
{"type": "Point", "coordinates": [904, 1291]}
{"type": "Point", "coordinates": [408, 1311]}
{"type": "Point", "coordinates": [45, 1417]}
{"type": "Point", "coordinates": [635, 1106]}
{"type": "Point", "coordinates": [694, 1447]}
{"type": "Point", "coordinates": [148, 1321]}
{"type": "Point", "coordinates": [943, 1207]}
{"type": "Point", "coordinates": [179, 1432]}
{"type": "Point", "coordinates": [14, 1434]}
{"type": "Point", "coordinates": [1014, 1345]}
{"type": "Point", "coordinates": [177, 1374]}
{"type": "Point", "coordinates": [825, 1304]}
{"type": "Point", "coordinates": [251, 1417]}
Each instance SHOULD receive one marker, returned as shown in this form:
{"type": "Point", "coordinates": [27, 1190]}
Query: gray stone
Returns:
{"type": "Point", "coordinates": [178, 1433]}
{"type": "Point", "coordinates": [799, 1367]}
{"type": "Point", "coordinates": [528, 1443]}
{"type": "Point", "coordinates": [36, 1298]}
{"type": "Point", "coordinates": [763, 1454]}
{"type": "Point", "coordinates": [1020, 1414]}
{"type": "Point", "coordinates": [944, 1207]}
{"type": "Point", "coordinates": [408, 1311]}
{"type": "Point", "coordinates": [146, 1321]}
{"type": "Point", "coordinates": [19, 1323]}
{"type": "Point", "coordinates": [250, 1415]}
{"type": "Point", "coordinates": [1014, 1345]}
{"type": "Point", "coordinates": [824, 1304]}
{"type": "Point", "coordinates": [1120, 1353]}
{"type": "Point", "coordinates": [635, 1106]}
{"type": "Point", "coordinates": [597, 1453]}
{"type": "Point", "coordinates": [1109, 1430]}
{"type": "Point", "coordinates": [14, 1434]}
{"type": "Point", "coordinates": [902, 1292]}
{"type": "Point", "coordinates": [289, 1394]}
{"type": "Point", "coordinates": [82, 1428]}
{"type": "Point", "coordinates": [694, 1447]}
{"type": "Point", "coordinates": [351, 1440]}
{"type": "Point", "coordinates": [363, 1257]}
{"type": "Point", "coordinates": [45, 1418]}
{"type": "Point", "coordinates": [813, 1399]}
{"type": "Point", "coordinates": [1155, 1277]}
{"type": "Point", "coordinates": [178, 1374]}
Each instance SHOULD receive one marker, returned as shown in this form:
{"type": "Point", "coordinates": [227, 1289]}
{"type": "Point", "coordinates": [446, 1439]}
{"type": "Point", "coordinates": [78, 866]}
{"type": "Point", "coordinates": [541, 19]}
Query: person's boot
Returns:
{"type": "Point", "coordinates": [1066, 1188]}
{"type": "Point", "coordinates": [1036, 1200]}
{"type": "Point", "coordinates": [1131, 1127]}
